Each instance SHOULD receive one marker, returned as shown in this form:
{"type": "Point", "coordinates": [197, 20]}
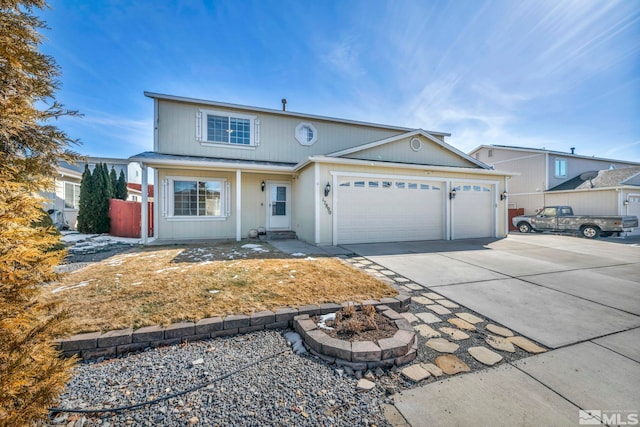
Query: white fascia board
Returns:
{"type": "Point", "coordinates": [556, 153]}
{"type": "Point", "coordinates": [245, 167]}
{"type": "Point", "coordinates": [584, 190]}
{"type": "Point", "coordinates": [356, 162]}
{"type": "Point", "coordinates": [154, 95]}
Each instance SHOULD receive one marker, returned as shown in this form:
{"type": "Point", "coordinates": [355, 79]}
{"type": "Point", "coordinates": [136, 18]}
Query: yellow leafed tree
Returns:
{"type": "Point", "coordinates": [32, 374]}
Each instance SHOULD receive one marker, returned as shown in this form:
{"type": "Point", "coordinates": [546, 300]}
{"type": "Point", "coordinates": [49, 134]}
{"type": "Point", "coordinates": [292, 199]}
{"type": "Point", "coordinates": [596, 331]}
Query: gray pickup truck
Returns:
{"type": "Point", "coordinates": [562, 219]}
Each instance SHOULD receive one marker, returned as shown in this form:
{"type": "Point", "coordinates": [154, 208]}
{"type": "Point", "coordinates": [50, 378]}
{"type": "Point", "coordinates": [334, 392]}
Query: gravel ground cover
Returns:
{"type": "Point", "coordinates": [288, 389]}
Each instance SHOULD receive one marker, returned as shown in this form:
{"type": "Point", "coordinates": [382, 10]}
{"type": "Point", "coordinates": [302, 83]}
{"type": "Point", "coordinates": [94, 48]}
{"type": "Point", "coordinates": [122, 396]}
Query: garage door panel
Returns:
{"type": "Point", "coordinates": [382, 210]}
{"type": "Point", "coordinates": [473, 211]}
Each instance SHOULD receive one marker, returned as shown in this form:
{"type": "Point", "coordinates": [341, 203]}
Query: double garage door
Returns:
{"type": "Point", "coordinates": [392, 209]}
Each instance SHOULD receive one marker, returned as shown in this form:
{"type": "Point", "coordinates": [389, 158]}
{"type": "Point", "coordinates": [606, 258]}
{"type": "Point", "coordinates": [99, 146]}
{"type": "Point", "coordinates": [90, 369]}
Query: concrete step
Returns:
{"type": "Point", "coordinates": [281, 235]}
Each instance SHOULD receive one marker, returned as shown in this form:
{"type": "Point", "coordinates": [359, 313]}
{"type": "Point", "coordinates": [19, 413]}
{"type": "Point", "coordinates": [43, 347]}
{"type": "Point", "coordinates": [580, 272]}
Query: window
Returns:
{"type": "Point", "coordinates": [198, 198]}
{"type": "Point", "coordinates": [413, 186]}
{"type": "Point", "coordinates": [490, 152]}
{"type": "Point", "coordinates": [373, 184]}
{"type": "Point", "coordinates": [399, 184]}
{"type": "Point", "coordinates": [358, 184]}
{"type": "Point", "coordinates": [306, 134]}
{"type": "Point", "coordinates": [221, 127]}
{"type": "Point", "coordinates": [561, 168]}
{"type": "Point", "coordinates": [71, 195]}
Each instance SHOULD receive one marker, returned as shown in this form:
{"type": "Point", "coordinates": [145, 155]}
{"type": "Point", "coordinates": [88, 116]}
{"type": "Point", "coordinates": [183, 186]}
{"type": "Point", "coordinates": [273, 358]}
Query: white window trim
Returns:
{"type": "Point", "coordinates": [301, 135]}
{"type": "Point", "coordinates": [555, 167]}
{"type": "Point", "coordinates": [168, 199]}
{"type": "Point", "coordinates": [201, 129]}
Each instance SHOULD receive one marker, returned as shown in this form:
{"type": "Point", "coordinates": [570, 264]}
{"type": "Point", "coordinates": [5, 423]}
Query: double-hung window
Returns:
{"type": "Point", "coordinates": [71, 195]}
{"type": "Point", "coordinates": [561, 168]}
{"type": "Point", "coordinates": [205, 198]}
{"type": "Point", "coordinates": [223, 127]}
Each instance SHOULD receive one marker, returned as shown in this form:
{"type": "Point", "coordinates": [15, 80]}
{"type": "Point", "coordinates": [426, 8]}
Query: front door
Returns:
{"type": "Point", "coordinates": [279, 206]}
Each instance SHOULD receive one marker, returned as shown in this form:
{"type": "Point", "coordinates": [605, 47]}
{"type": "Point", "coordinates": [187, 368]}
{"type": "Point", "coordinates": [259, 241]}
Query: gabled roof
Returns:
{"type": "Point", "coordinates": [559, 153]}
{"type": "Point", "coordinates": [410, 134]}
{"type": "Point", "coordinates": [599, 179]}
{"type": "Point", "coordinates": [154, 95]}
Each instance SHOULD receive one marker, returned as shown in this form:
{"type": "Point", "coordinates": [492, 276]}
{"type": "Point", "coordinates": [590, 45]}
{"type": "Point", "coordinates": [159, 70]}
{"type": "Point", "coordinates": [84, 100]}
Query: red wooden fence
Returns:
{"type": "Point", "coordinates": [512, 213]}
{"type": "Point", "coordinates": [126, 218]}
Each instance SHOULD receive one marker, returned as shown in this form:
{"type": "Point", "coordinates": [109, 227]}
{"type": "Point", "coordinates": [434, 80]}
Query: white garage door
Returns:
{"type": "Point", "coordinates": [386, 210]}
{"type": "Point", "coordinates": [634, 209]}
{"type": "Point", "coordinates": [472, 211]}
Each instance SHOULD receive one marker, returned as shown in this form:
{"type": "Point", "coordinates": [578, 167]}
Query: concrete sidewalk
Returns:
{"type": "Point", "coordinates": [577, 296]}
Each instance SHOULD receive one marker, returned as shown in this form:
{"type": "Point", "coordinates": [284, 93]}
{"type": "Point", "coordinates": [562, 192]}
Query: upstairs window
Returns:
{"type": "Point", "coordinates": [561, 168]}
{"type": "Point", "coordinates": [220, 127]}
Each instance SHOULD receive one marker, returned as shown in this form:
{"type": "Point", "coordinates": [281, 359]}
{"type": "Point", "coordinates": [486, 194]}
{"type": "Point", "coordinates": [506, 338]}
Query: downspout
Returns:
{"type": "Point", "coordinates": [316, 202]}
{"type": "Point", "coordinates": [238, 205]}
{"type": "Point", "coordinates": [144, 211]}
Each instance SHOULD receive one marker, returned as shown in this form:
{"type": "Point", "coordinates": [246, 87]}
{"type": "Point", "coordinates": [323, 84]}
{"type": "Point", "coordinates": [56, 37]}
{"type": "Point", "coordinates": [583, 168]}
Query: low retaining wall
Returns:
{"type": "Point", "coordinates": [94, 345]}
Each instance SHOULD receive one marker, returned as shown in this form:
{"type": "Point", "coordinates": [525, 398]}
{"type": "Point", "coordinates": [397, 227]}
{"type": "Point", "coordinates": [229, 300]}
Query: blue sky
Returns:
{"type": "Point", "coordinates": [553, 74]}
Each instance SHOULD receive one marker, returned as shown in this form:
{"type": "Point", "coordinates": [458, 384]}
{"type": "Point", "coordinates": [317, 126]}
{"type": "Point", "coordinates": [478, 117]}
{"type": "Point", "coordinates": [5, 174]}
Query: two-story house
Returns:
{"type": "Point", "coordinates": [591, 185]}
{"type": "Point", "coordinates": [223, 170]}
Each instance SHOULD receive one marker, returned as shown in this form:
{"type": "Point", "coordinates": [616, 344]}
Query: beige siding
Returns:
{"type": "Point", "coordinates": [177, 135]}
{"type": "Point", "coordinates": [254, 200]}
{"type": "Point", "coordinates": [303, 191]}
{"type": "Point", "coordinates": [531, 203]}
{"type": "Point", "coordinates": [400, 151]}
{"type": "Point", "coordinates": [599, 202]}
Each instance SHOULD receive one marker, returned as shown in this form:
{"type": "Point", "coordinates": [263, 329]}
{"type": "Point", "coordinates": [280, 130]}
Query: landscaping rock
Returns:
{"type": "Point", "coordinates": [365, 385]}
{"type": "Point", "coordinates": [500, 343]}
{"type": "Point", "coordinates": [442, 345]}
{"type": "Point", "coordinates": [422, 300]}
{"type": "Point", "coordinates": [484, 355]}
{"type": "Point", "coordinates": [499, 330]}
{"type": "Point", "coordinates": [462, 324]}
{"type": "Point", "coordinates": [451, 364]}
{"type": "Point", "coordinates": [433, 295]}
{"type": "Point", "coordinates": [415, 373]}
{"type": "Point", "coordinates": [454, 333]}
{"type": "Point", "coordinates": [447, 303]}
{"type": "Point", "coordinates": [433, 369]}
{"type": "Point", "coordinates": [470, 318]}
{"type": "Point", "coordinates": [526, 345]}
{"type": "Point", "coordinates": [427, 331]}
{"type": "Point", "coordinates": [438, 309]}
{"type": "Point", "coordinates": [428, 317]}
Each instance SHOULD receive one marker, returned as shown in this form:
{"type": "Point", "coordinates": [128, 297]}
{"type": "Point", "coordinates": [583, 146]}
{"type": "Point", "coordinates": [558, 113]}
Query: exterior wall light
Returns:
{"type": "Point", "coordinates": [327, 189]}
{"type": "Point", "coordinates": [262, 185]}
{"type": "Point", "coordinates": [452, 194]}
{"type": "Point", "coordinates": [626, 202]}
{"type": "Point", "coordinates": [504, 195]}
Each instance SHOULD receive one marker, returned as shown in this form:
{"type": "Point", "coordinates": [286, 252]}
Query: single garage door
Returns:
{"type": "Point", "coordinates": [387, 209]}
{"type": "Point", "coordinates": [472, 211]}
{"type": "Point", "coordinates": [634, 209]}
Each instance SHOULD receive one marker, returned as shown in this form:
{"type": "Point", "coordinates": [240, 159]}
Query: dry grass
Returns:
{"type": "Point", "coordinates": [161, 285]}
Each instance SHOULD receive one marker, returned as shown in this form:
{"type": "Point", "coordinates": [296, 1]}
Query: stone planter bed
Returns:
{"type": "Point", "coordinates": [94, 345]}
{"type": "Point", "coordinates": [361, 355]}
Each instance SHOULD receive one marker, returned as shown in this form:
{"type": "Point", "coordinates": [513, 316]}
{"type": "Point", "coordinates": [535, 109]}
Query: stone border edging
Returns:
{"type": "Point", "coordinates": [360, 355]}
{"type": "Point", "coordinates": [94, 345]}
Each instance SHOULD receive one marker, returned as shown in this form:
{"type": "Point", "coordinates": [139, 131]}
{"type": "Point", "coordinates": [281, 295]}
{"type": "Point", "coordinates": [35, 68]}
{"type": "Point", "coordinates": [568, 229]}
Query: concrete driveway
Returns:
{"type": "Point", "coordinates": [580, 297]}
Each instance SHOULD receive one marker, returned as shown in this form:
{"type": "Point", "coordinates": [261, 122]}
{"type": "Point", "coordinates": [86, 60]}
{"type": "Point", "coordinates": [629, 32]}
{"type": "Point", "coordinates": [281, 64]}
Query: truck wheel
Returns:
{"type": "Point", "coordinates": [524, 227]}
{"type": "Point", "coordinates": [590, 231]}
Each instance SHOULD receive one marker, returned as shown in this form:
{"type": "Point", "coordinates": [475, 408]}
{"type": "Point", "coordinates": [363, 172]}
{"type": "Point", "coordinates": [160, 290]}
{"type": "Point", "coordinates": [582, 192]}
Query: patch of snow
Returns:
{"type": "Point", "coordinates": [167, 269]}
{"type": "Point", "coordinates": [136, 283]}
{"type": "Point", "coordinates": [295, 340]}
{"type": "Point", "coordinates": [251, 246]}
{"type": "Point", "coordinates": [324, 318]}
{"type": "Point", "coordinates": [66, 288]}
{"type": "Point", "coordinates": [310, 258]}
{"type": "Point", "coordinates": [298, 254]}
{"type": "Point", "coordinates": [214, 291]}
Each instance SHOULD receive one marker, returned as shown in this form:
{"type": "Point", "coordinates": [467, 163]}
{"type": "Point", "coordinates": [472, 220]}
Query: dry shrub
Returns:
{"type": "Point", "coordinates": [369, 310]}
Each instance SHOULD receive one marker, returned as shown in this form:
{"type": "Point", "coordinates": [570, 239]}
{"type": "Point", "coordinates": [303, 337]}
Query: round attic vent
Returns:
{"type": "Point", "coordinates": [415, 144]}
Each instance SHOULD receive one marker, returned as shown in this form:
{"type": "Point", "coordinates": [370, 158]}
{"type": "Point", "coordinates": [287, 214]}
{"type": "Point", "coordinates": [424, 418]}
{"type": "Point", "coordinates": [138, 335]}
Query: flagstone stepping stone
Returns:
{"type": "Point", "coordinates": [428, 317]}
{"type": "Point", "coordinates": [422, 300]}
{"type": "Point", "coordinates": [427, 331]}
{"type": "Point", "coordinates": [433, 295]}
{"type": "Point", "coordinates": [526, 345]}
{"type": "Point", "coordinates": [462, 324]}
{"type": "Point", "coordinates": [388, 272]}
{"type": "Point", "coordinates": [454, 333]}
{"type": "Point", "coordinates": [414, 286]}
{"type": "Point", "coordinates": [415, 373]}
{"type": "Point", "coordinates": [365, 385]}
{"type": "Point", "coordinates": [447, 303]}
{"type": "Point", "coordinates": [365, 262]}
{"type": "Point", "coordinates": [500, 343]}
{"type": "Point", "coordinates": [438, 309]}
{"type": "Point", "coordinates": [403, 288]}
{"type": "Point", "coordinates": [377, 267]}
{"type": "Point", "coordinates": [470, 318]}
{"type": "Point", "coordinates": [499, 330]}
{"type": "Point", "coordinates": [401, 280]}
{"type": "Point", "coordinates": [442, 345]}
{"type": "Point", "coordinates": [451, 365]}
{"type": "Point", "coordinates": [411, 318]}
{"type": "Point", "coordinates": [433, 369]}
{"type": "Point", "coordinates": [484, 355]}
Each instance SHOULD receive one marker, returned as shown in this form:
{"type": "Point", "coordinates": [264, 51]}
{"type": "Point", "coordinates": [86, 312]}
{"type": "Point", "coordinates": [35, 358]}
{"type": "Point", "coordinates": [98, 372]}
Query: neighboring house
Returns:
{"type": "Point", "coordinates": [134, 192]}
{"type": "Point", "coordinates": [222, 170]}
{"type": "Point", "coordinates": [66, 197]}
{"type": "Point", "coordinates": [591, 185]}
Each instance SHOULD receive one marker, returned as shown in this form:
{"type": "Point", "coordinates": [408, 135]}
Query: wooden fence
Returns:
{"type": "Point", "coordinates": [512, 213]}
{"type": "Point", "coordinates": [126, 218]}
